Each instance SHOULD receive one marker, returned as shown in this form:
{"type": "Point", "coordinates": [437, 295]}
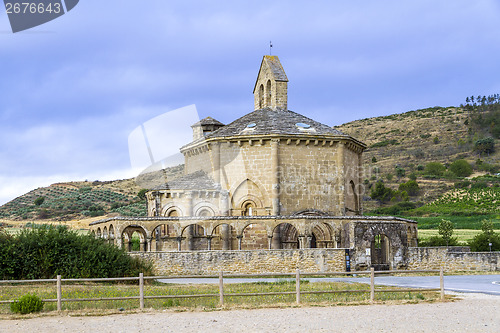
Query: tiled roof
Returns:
{"type": "Point", "coordinates": [208, 121]}
{"type": "Point", "coordinates": [275, 65]}
{"type": "Point", "coordinates": [273, 121]}
{"type": "Point", "coordinates": [198, 180]}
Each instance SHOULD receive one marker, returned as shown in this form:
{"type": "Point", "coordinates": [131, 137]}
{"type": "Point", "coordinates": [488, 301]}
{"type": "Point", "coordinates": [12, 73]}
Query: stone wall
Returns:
{"type": "Point", "coordinates": [452, 259]}
{"type": "Point", "coordinates": [251, 262]}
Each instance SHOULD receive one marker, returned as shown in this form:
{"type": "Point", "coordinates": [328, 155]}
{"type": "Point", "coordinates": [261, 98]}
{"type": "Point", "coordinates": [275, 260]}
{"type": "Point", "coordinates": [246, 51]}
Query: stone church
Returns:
{"type": "Point", "coordinates": [272, 179]}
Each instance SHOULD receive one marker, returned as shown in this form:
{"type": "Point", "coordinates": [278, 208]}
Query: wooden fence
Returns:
{"type": "Point", "coordinates": [298, 292]}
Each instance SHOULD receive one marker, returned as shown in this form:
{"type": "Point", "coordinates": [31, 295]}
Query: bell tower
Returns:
{"type": "Point", "coordinates": [270, 90]}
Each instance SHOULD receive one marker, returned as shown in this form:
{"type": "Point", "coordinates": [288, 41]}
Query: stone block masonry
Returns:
{"type": "Point", "coordinates": [246, 262]}
{"type": "Point", "coordinates": [452, 260]}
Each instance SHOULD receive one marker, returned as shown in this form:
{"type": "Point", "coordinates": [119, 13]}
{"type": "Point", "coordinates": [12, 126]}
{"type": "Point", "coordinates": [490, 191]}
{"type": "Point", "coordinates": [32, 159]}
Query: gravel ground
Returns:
{"type": "Point", "coordinates": [474, 313]}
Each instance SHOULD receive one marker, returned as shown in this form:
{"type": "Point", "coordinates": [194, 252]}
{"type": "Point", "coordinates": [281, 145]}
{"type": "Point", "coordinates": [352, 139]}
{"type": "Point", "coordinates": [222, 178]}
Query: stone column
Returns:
{"type": "Point", "coordinates": [270, 242]}
{"type": "Point", "coordinates": [239, 241]}
{"type": "Point", "coordinates": [275, 177]}
{"type": "Point", "coordinates": [224, 202]}
{"type": "Point", "coordinates": [189, 229]}
{"type": "Point", "coordinates": [276, 238]}
{"type": "Point", "coordinates": [209, 242]}
{"type": "Point", "coordinates": [225, 236]}
{"type": "Point", "coordinates": [179, 242]}
{"type": "Point", "coordinates": [341, 175]}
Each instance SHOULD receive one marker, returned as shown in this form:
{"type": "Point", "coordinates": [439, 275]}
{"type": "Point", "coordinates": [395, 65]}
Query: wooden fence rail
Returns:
{"type": "Point", "coordinates": [221, 295]}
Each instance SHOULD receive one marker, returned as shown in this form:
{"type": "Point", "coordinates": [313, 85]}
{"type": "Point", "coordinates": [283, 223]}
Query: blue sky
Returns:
{"type": "Point", "coordinates": [72, 90]}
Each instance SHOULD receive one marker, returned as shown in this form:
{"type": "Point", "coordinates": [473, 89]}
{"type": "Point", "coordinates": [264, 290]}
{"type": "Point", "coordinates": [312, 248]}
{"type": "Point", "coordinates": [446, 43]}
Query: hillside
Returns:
{"type": "Point", "coordinates": [79, 200]}
{"type": "Point", "coordinates": [400, 147]}
{"type": "Point", "coordinates": [403, 144]}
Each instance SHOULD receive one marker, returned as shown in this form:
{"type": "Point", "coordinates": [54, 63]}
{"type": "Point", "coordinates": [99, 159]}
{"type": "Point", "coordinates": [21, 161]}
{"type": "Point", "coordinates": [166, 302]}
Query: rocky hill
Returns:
{"type": "Point", "coordinates": [399, 148]}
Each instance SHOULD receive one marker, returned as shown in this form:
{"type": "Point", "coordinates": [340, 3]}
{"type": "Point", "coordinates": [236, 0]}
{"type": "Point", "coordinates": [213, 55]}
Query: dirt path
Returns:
{"type": "Point", "coordinates": [475, 313]}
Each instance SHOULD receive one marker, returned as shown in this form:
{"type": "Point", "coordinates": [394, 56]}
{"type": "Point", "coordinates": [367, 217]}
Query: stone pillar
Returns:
{"type": "Point", "coordinates": [179, 242]}
{"type": "Point", "coordinates": [307, 242]}
{"type": "Point", "coordinates": [209, 242]}
{"type": "Point", "coordinates": [239, 241]}
{"type": "Point", "coordinates": [270, 242]}
{"type": "Point", "coordinates": [216, 161]}
{"type": "Point", "coordinates": [341, 180]}
{"type": "Point", "coordinates": [224, 203]}
{"type": "Point", "coordinates": [225, 233]}
{"type": "Point", "coordinates": [301, 241]}
{"type": "Point", "coordinates": [190, 236]}
{"type": "Point", "coordinates": [275, 177]}
{"type": "Point", "coordinates": [276, 238]}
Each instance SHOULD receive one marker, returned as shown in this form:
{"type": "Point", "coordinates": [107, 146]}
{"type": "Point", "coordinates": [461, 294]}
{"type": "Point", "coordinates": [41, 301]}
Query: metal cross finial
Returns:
{"type": "Point", "coordinates": [270, 47]}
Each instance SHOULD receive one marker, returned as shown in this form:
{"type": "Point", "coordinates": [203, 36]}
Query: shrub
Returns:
{"type": "Point", "coordinates": [389, 176]}
{"type": "Point", "coordinates": [374, 159]}
{"type": "Point", "coordinates": [39, 201]}
{"type": "Point", "coordinates": [437, 241]}
{"type": "Point", "coordinates": [445, 229]}
{"type": "Point", "coordinates": [381, 193]}
{"type": "Point", "coordinates": [47, 251]}
{"type": "Point", "coordinates": [434, 169]}
{"type": "Point", "coordinates": [464, 184]}
{"type": "Point", "coordinates": [461, 168]}
{"type": "Point", "coordinates": [27, 304]}
{"type": "Point", "coordinates": [480, 242]}
{"type": "Point", "coordinates": [479, 185]}
{"type": "Point", "coordinates": [485, 146]}
{"type": "Point", "coordinates": [411, 187]}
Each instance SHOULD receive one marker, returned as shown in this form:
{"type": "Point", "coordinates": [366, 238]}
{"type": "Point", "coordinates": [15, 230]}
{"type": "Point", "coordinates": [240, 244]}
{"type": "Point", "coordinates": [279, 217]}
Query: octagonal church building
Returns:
{"type": "Point", "coordinates": [270, 180]}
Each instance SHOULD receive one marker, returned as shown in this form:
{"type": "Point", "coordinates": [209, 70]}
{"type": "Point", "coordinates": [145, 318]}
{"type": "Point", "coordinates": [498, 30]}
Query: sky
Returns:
{"type": "Point", "coordinates": [74, 89]}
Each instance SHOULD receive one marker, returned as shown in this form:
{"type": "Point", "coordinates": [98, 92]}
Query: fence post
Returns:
{"type": "Point", "coordinates": [59, 293]}
{"type": "Point", "coordinates": [141, 291]}
{"type": "Point", "coordinates": [221, 289]}
{"type": "Point", "coordinates": [372, 284]}
{"type": "Point", "coordinates": [441, 282]}
{"type": "Point", "coordinates": [297, 285]}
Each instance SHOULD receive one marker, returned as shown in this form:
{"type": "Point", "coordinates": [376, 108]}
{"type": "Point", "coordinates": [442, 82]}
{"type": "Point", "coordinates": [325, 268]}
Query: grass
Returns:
{"type": "Point", "coordinates": [462, 235]}
{"type": "Point", "coordinates": [95, 290]}
{"type": "Point", "coordinates": [459, 222]}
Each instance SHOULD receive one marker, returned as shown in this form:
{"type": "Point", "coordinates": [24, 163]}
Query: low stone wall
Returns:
{"type": "Point", "coordinates": [452, 259]}
{"type": "Point", "coordinates": [251, 262]}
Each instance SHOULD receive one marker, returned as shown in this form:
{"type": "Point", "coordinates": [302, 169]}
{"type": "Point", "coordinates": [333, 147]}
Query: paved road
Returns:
{"type": "Point", "coordinates": [486, 284]}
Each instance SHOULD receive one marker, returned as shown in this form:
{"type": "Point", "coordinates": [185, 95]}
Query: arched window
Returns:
{"type": "Point", "coordinates": [248, 209]}
{"type": "Point", "coordinates": [268, 93]}
{"type": "Point", "coordinates": [173, 213]}
{"type": "Point", "coordinates": [261, 96]}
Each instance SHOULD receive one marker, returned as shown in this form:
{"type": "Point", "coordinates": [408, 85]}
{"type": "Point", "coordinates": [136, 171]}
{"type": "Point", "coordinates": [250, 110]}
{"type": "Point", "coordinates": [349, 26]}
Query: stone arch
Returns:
{"type": "Point", "coordinates": [285, 236]}
{"type": "Point", "coordinates": [322, 236]}
{"type": "Point", "coordinates": [127, 236]}
{"type": "Point", "coordinates": [105, 232]}
{"type": "Point", "coordinates": [223, 237]}
{"type": "Point", "coordinates": [206, 207]}
{"type": "Point", "coordinates": [99, 232]}
{"type": "Point", "coordinates": [261, 96]}
{"type": "Point", "coordinates": [171, 210]}
{"type": "Point", "coordinates": [254, 237]}
{"type": "Point", "coordinates": [310, 212]}
{"type": "Point", "coordinates": [164, 237]}
{"type": "Point", "coordinates": [268, 93]}
{"type": "Point", "coordinates": [194, 237]}
{"type": "Point", "coordinates": [111, 232]}
{"type": "Point", "coordinates": [380, 252]}
{"type": "Point", "coordinates": [248, 190]}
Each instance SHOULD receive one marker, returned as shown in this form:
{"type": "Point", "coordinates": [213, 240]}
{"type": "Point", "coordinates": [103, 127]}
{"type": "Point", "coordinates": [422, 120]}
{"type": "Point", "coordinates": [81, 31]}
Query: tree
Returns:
{"type": "Point", "coordinates": [142, 193]}
{"type": "Point", "coordinates": [39, 201]}
{"type": "Point", "coordinates": [374, 159]}
{"type": "Point", "coordinates": [445, 229]}
{"type": "Point", "coordinates": [400, 172]}
{"type": "Point", "coordinates": [461, 168]}
{"type": "Point", "coordinates": [381, 193]}
{"type": "Point", "coordinates": [485, 145]}
{"type": "Point", "coordinates": [434, 169]}
{"type": "Point", "coordinates": [480, 242]}
{"type": "Point", "coordinates": [411, 187]}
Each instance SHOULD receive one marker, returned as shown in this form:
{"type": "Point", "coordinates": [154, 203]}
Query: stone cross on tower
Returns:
{"type": "Point", "coordinates": [271, 86]}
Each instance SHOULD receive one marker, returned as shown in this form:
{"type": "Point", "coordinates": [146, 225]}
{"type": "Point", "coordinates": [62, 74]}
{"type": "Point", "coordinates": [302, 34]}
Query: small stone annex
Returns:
{"type": "Point", "coordinates": [270, 180]}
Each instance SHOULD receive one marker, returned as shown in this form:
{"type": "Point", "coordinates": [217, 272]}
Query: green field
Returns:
{"type": "Point", "coordinates": [462, 235]}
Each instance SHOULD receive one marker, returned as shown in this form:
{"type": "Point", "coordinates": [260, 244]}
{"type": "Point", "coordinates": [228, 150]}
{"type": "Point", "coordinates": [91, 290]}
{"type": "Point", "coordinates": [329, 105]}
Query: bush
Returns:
{"type": "Point", "coordinates": [411, 187]}
{"type": "Point", "coordinates": [39, 201]}
{"type": "Point", "coordinates": [381, 193]}
{"type": "Point", "coordinates": [480, 242]}
{"type": "Point", "coordinates": [434, 169]}
{"type": "Point", "coordinates": [27, 304]}
{"type": "Point", "coordinates": [461, 168]}
{"type": "Point", "coordinates": [45, 252]}
{"type": "Point", "coordinates": [437, 241]}
{"type": "Point", "coordinates": [485, 146]}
